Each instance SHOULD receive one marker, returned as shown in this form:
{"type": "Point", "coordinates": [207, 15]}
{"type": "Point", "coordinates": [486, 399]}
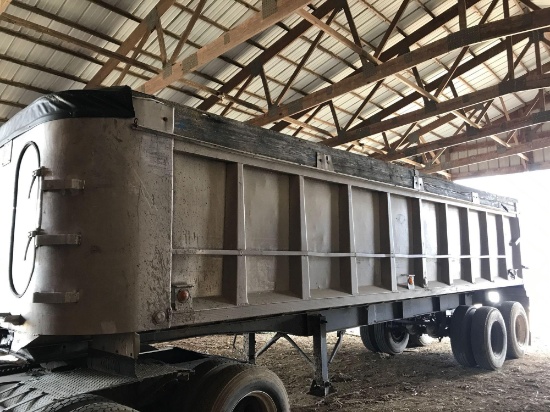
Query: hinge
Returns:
{"type": "Point", "coordinates": [324, 162]}
{"type": "Point", "coordinates": [57, 240]}
{"type": "Point", "coordinates": [55, 297]}
{"type": "Point", "coordinates": [418, 181]}
{"type": "Point", "coordinates": [50, 185]}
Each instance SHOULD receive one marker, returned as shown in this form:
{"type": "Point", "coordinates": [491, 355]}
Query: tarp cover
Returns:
{"type": "Point", "coordinates": [107, 102]}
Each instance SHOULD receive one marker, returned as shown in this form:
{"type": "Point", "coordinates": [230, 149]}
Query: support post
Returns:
{"type": "Point", "coordinates": [321, 385]}
{"type": "Point", "coordinates": [250, 347]}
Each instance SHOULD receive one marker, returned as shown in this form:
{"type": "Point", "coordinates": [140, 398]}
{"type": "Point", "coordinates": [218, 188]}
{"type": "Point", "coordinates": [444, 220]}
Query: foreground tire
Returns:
{"type": "Point", "coordinates": [419, 341]}
{"type": "Point", "coordinates": [189, 392]}
{"type": "Point", "coordinates": [517, 328]}
{"type": "Point", "coordinates": [489, 338]}
{"type": "Point", "coordinates": [367, 336]}
{"type": "Point", "coordinates": [391, 339]}
{"type": "Point", "coordinates": [460, 334]}
{"type": "Point", "coordinates": [86, 403]}
{"type": "Point", "coordinates": [243, 388]}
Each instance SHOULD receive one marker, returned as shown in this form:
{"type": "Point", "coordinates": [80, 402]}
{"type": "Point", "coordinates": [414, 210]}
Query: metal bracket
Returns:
{"type": "Point", "coordinates": [324, 162]}
{"type": "Point", "coordinates": [418, 181]}
{"type": "Point", "coordinates": [475, 198]}
{"type": "Point", "coordinates": [56, 297]}
{"type": "Point", "coordinates": [57, 240]}
{"type": "Point", "coordinates": [14, 320]}
{"type": "Point", "coordinates": [51, 185]}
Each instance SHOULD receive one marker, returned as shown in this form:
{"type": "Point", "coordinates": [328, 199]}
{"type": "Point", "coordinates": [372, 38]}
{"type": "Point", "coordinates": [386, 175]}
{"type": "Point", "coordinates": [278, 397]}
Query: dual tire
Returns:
{"type": "Point", "coordinates": [485, 336]}
{"type": "Point", "coordinates": [385, 337]}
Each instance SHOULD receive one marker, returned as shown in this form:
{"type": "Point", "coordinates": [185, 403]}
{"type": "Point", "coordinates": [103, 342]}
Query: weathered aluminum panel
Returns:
{"type": "Point", "coordinates": [174, 231]}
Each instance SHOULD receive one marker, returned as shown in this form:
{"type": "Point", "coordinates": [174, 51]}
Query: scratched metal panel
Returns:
{"type": "Point", "coordinates": [322, 216]}
{"type": "Point", "coordinates": [453, 230]}
{"type": "Point", "coordinates": [267, 274]}
{"type": "Point", "coordinates": [202, 273]}
{"type": "Point", "coordinates": [369, 272]}
{"type": "Point", "coordinates": [475, 243]}
{"type": "Point", "coordinates": [324, 273]}
{"type": "Point", "coordinates": [430, 222]}
{"type": "Point", "coordinates": [402, 224]}
{"type": "Point", "coordinates": [199, 202]}
{"type": "Point", "coordinates": [266, 209]}
{"type": "Point", "coordinates": [366, 221]}
{"type": "Point", "coordinates": [493, 242]}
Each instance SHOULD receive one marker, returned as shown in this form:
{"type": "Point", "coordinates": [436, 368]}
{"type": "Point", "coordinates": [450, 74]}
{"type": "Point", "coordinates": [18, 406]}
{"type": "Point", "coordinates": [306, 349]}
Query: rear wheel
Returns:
{"type": "Point", "coordinates": [243, 388]}
{"type": "Point", "coordinates": [368, 338]}
{"type": "Point", "coordinates": [391, 339]}
{"type": "Point", "coordinates": [460, 333]}
{"type": "Point", "coordinates": [517, 328]}
{"type": "Point", "coordinates": [489, 338]}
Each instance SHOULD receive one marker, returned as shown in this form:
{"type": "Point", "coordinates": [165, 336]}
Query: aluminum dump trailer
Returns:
{"type": "Point", "coordinates": [126, 220]}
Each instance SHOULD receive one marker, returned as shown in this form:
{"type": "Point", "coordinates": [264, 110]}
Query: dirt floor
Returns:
{"type": "Point", "coordinates": [420, 379]}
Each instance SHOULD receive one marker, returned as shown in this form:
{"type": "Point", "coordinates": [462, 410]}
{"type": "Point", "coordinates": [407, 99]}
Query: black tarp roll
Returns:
{"type": "Point", "coordinates": [108, 102]}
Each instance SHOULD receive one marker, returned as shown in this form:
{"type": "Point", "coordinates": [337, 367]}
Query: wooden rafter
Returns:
{"type": "Point", "coordinates": [147, 25]}
{"type": "Point", "coordinates": [468, 100]}
{"type": "Point", "coordinates": [269, 53]}
{"type": "Point", "coordinates": [543, 141]}
{"type": "Point", "coordinates": [502, 28]}
{"type": "Point", "coordinates": [224, 43]}
{"type": "Point", "coordinates": [472, 135]}
{"type": "Point", "coordinates": [4, 5]}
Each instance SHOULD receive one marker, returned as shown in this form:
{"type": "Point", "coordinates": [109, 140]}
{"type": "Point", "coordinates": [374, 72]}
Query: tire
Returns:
{"type": "Point", "coordinates": [489, 338]}
{"type": "Point", "coordinates": [367, 336]}
{"type": "Point", "coordinates": [419, 341]}
{"type": "Point", "coordinates": [187, 393]}
{"type": "Point", "coordinates": [86, 403]}
{"type": "Point", "coordinates": [104, 407]}
{"type": "Point", "coordinates": [391, 340]}
{"type": "Point", "coordinates": [460, 334]}
{"type": "Point", "coordinates": [517, 328]}
{"type": "Point", "coordinates": [242, 387]}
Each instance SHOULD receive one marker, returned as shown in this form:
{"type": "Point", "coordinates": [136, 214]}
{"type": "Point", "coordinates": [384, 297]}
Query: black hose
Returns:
{"type": "Point", "coordinates": [14, 215]}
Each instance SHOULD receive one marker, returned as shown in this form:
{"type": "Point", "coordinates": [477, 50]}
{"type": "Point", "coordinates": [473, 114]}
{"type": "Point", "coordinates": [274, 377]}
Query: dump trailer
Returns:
{"type": "Point", "coordinates": [127, 221]}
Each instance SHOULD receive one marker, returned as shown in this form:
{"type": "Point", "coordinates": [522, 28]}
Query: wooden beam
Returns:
{"type": "Point", "coordinates": [434, 109]}
{"type": "Point", "coordinates": [463, 68]}
{"type": "Point", "coordinates": [537, 144]}
{"type": "Point", "coordinates": [271, 13]}
{"type": "Point", "coordinates": [147, 25]}
{"type": "Point", "coordinates": [502, 28]}
{"type": "Point", "coordinates": [471, 135]}
{"type": "Point", "coordinates": [4, 5]}
{"type": "Point", "coordinates": [390, 29]}
{"type": "Point", "coordinates": [530, 167]}
{"type": "Point", "coordinates": [187, 31]}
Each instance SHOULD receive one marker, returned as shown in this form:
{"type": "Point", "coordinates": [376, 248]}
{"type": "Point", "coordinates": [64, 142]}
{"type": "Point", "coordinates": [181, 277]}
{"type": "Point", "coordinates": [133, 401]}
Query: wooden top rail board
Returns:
{"type": "Point", "coordinates": [236, 135]}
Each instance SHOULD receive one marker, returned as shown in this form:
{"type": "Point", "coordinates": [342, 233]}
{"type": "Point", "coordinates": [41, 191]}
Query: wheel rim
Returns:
{"type": "Point", "coordinates": [398, 334]}
{"type": "Point", "coordinates": [256, 401]}
{"type": "Point", "coordinates": [498, 343]}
